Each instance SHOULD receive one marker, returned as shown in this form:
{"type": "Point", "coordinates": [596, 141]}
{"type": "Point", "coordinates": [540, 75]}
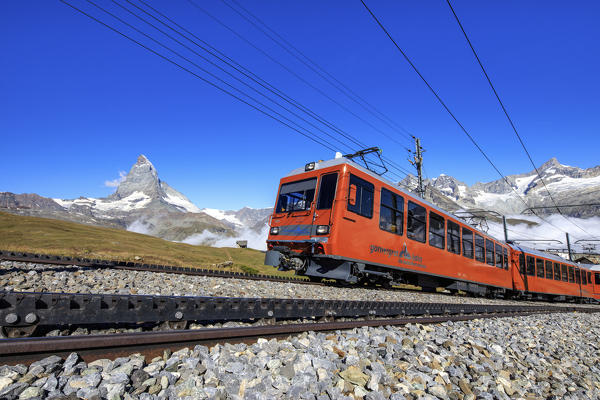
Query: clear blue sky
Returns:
{"type": "Point", "coordinates": [79, 103]}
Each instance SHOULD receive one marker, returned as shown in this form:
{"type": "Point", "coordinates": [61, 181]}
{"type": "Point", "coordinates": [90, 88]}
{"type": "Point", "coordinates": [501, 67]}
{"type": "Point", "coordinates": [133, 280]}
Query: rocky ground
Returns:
{"type": "Point", "coordinates": [47, 278]}
{"type": "Point", "coordinates": [553, 356]}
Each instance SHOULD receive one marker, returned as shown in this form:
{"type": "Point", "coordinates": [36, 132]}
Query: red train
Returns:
{"type": "Point", "coordinates": [337, 220]}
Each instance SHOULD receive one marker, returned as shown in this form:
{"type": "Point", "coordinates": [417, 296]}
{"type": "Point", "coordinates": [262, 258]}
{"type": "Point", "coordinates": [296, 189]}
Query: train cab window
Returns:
{"type": "Point", "coordinates": [296, 196]}
{"type": "Point", "coordinates": [583, 278]}
{"type": "Point", "coordinates": [498, 255]}
{"type": "Point", "coordinates": [539, 266]}
{"type": "Point", "coordinates": [453, 237]}
{"type": "Point", "coordinates": [327, 191]}
{"type": "Point", "coordinates": [556, 271]}
{"type": "Point", "coordinates": [489, 252]}
{"type": "Point", "coordinates": [522, 264]}
{"type": "Point", "coordinates": [479, 248]}
{"type": "Point", "coordinates": [436, 230]}
{"type": "Point", "coordinates": [391, 215]}
{"type": "Point", "coordinates": [571, 275]}
{"type": "Point", "coordinates": [597, 278]}
{"type": "Point", "coordinates": [360, 196]}
{"type": "Point", "coordinates": [467, 242]}
{"type": "Point", "coordinates": [564, 274]}
{"type": "Point", "coordinates": [548, 269]}
{"type": "Point", "coordinates": [416, 222]}
{"type": "Point", "coordinates": [505, 258]}
{"type": "Point", "coordinates": [530, 266]}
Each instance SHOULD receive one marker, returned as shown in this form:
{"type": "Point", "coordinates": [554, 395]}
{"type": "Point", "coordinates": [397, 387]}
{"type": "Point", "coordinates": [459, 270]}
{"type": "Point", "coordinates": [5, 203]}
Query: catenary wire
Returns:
{"type": "Point", "coordinates": [308, 136]}
{"type": "Point", "coordinates": [437, 96]}
{"type": "Point", "coordinates": [289, 70]}
{"type": "Point", "coordinates": [310, 64]}
{"type": "Point", "coordinates": [512, 124]}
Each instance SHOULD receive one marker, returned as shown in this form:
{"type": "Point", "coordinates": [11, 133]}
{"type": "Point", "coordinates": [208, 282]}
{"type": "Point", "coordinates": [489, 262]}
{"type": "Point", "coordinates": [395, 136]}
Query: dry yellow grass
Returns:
{"type": "Point", "coordinates": [50, 236]}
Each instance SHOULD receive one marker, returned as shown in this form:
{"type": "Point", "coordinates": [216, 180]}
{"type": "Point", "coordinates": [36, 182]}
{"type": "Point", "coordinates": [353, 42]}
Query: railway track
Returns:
{"type": "Point", "coordinates": [22, 313]}
{"type": "Point", "coordinates": [152, 344]}
{"type": "Point", "coordinates": [131, 266]}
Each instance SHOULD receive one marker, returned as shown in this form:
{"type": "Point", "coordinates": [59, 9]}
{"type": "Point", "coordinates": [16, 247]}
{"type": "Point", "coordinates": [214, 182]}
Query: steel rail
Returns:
{"type": "Point", "coordinates": [23, 312]}
{"type": "Point", "coordinates": [131, 266]}
{"type": "Point", "coordinates": [152, 344]}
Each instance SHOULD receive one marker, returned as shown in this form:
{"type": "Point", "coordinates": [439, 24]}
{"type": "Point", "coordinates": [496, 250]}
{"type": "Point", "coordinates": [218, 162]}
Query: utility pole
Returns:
{"type": "Point", "coordinates": [569, 247]}
{"type": "Point", "coordinates": [505, 230]}
{"type": "Point", "coordinates": [417, 162]}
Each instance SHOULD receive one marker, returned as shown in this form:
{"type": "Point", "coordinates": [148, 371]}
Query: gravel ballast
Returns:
{"type": "Point", "coordinates": [542, 356]}
{"type": "Point", "coordinates": [18, 276]}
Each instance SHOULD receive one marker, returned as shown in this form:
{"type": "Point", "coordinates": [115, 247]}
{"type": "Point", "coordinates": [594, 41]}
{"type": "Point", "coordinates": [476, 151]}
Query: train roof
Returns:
{"type": "Point", "coordinates": [343, 160]}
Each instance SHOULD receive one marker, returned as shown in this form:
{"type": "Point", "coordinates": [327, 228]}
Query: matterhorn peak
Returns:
{"type": "Point", "coordinates": [141, 178]}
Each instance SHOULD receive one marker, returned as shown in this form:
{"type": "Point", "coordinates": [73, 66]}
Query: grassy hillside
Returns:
{"type": "Point", "coordinates": [50, 236]}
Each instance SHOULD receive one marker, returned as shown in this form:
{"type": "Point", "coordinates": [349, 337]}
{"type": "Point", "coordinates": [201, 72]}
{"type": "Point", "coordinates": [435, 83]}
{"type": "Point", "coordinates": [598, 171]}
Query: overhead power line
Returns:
{"type": "Point", "coordinates": [437, 96]}
{"type": "Point", "coordinates": [512, 124]}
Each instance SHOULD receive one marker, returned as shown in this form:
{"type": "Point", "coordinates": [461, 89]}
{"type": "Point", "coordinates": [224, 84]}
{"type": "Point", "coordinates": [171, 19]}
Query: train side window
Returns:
{"type": "Point", "coordinates": [597, 278]}
{"type": "Point", "coordinates": [556, 271]}
{"type": "Point", "coordinates": [391, 215]}
{"type": "Point", "coordinates": [361, 192]}
{"type": "Point", "coordinates": [436, 230]}
{"type": "Point", "coordinates": [505, 258]}
{"type": "Point", "coordinates": [583, 277]}
{"type": "Point", "coordinates": [453, 237]}
{"type": "Point", "coordinates": [530, 265]}
{"type": "Point", "coordinates": [498, 256]}
{"type": "Point", "coordinates": [467, 242]}
{"type": "Point", "coordinates": [416, 223]}
{"type": "Point", "coordinates": [577, 276]}
{"type": "Point", "coordinates": [548, 269]}
{"type": "Point", "coordinates": [565, 276]}
{"type": "Point", "coordinates": [479, 248]}
{"type": "Point", "coordinates": [539, 265]}
{"type": "Point", "coordinates": [489, 252]}
{"type": "Point", "coordinates": [571, 275]}
{"type": "Point", "coordinates": [589, 277]}
{"type": "Point", "coordinates": [327, 191]}
{"type": "Point", "coordinates": [522, 264]}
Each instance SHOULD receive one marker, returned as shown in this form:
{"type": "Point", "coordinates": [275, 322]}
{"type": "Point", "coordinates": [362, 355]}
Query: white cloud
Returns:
{"type": "Point", "coordinates": [256, 240]}
{"type": "Point", "coordinates": [139, 226]}
{"type": "Point", "coordinates": [116, 182]}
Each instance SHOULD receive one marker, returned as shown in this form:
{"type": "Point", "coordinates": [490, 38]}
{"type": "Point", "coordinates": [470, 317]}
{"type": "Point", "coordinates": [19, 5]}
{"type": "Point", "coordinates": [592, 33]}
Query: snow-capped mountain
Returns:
{"type": "Point", "coordinates": [568, 185]}
{"type": "Point", "coordinates": [142, 203]}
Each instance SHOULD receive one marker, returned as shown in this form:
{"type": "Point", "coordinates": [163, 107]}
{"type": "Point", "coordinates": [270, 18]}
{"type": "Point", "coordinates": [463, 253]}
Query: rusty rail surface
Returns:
{"type": "Point", "coordinates": [152, 344]}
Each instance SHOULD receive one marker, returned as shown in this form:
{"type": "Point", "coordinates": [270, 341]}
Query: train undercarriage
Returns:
{"type": "Point", "coordinates": [346, 272]}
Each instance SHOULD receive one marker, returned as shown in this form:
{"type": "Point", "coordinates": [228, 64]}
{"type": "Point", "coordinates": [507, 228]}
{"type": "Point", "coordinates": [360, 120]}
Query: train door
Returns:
{"type": "Point", "coordinates": [324, 204]}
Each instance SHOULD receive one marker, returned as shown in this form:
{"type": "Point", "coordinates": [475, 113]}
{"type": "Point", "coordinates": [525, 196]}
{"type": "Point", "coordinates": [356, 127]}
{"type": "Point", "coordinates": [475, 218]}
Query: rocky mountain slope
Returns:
{"type": "Point", "coordinates": [141, 203]}
{"type": "Point", "coordinates": [568, 185]}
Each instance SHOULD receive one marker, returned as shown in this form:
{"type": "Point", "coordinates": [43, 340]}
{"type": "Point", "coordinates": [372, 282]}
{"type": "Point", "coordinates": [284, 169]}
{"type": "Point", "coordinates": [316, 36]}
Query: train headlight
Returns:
{"type": "Point", "coordinates": [322, 229]}
{"type": "Point", "coordinates": [310, 166]}
{"type": "Point", "coordinates": [274, 230]}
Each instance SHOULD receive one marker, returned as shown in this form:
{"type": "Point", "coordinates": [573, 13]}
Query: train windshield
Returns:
{"type": "Point", "coordinates": [296, 196]}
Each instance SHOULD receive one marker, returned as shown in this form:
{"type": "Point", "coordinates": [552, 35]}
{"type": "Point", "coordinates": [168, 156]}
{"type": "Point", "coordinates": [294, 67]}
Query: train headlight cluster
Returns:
{"type": "Point", "coordinates": [310, 166]}
{"type": "Point", "coordinates": [322, 229]}
{"type": "Point", "coordinates": [274, 230]}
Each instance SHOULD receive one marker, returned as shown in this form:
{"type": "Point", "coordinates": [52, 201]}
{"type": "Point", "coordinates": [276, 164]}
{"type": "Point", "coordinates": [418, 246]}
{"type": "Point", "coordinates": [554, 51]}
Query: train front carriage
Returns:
{"type": "Point", "coordinates": [338, 220]}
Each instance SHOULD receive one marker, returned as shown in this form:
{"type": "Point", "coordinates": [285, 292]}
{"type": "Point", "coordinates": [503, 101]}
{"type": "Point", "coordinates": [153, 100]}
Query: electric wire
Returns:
{"type": "Point", "coordinates": [313, 66]}
{"type": "Point", "coordinates": [289, 70]}
{"type": "Point", "coordinates": [512, 124]}
{"type": "Point", "coordinates": [308, 136]}
{"type": "Point", "coordinates": [437, 96]}
{"type": "Point", "coordinates": [217, 66]}
{"type": "Point", "coordinates": [238, 67]}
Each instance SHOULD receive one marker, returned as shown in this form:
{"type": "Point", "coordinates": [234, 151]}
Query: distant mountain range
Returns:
{"type": "Point", "coordinates": [568, 186]}
{"type": "Point", "coordinates": [145, 204]}
{"type": "Point", "coordinates": [142, 203]}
